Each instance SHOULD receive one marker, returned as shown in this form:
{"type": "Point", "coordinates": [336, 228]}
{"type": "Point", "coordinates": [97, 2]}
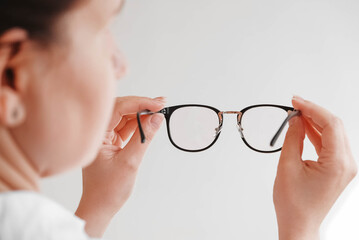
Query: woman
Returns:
{"type": "Point", "coordinates": [58, 66]}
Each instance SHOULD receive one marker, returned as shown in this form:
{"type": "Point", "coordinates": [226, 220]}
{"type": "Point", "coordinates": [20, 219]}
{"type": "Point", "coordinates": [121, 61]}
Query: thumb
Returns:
{"type": "Point", "coordinates": [293, 144]}
{"type": "Point", "coordinates": [134, 149]}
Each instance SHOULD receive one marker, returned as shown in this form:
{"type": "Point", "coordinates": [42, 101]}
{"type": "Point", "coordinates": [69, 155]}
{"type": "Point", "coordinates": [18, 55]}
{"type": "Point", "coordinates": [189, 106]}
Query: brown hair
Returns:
{"type": "Point", "coordinates": [37, 17]}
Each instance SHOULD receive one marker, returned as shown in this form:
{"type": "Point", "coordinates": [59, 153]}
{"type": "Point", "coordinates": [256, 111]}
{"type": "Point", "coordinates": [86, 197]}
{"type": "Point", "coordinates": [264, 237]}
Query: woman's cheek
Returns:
{"type": "Point", "coordinates": [96, 92]}
{"type": "Point", "coordinates": [115, 55]}
{"type": "Point", "coordinates": [104, 65]}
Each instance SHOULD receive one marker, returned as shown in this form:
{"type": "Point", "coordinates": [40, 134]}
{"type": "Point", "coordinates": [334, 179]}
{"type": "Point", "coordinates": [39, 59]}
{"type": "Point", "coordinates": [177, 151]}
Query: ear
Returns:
{"type": "Point", "coordinates": [12, 109]}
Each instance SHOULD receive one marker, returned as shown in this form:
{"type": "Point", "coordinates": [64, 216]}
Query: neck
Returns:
{"type": "Point", "coordinates": [16, 171]}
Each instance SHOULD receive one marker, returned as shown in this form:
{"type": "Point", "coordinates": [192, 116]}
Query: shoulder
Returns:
{"type": "Point", "coordinates": [28, 215]}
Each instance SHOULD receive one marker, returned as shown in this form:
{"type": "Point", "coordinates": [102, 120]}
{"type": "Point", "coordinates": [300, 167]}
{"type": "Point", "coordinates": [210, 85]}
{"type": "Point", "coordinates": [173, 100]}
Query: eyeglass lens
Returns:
{"type": "Point", "coordinates": [260, 124]}
{"type": "Point", "coordinates": [193, 128]}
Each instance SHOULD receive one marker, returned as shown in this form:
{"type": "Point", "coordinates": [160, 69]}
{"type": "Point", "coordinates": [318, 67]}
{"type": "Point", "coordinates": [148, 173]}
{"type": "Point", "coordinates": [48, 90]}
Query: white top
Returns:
{"type": "Point", "coordinates": [26, 215]}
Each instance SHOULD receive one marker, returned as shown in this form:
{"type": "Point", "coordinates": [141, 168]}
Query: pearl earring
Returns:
{"type": "Point", "coordinates": [15, 113]}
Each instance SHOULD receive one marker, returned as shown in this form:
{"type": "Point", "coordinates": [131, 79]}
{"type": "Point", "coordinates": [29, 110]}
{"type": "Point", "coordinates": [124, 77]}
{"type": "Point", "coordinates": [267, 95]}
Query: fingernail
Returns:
{"type": "Point", "coordinates": [156, 120]}
{"type": "Point", "coordinates": [298, 99]}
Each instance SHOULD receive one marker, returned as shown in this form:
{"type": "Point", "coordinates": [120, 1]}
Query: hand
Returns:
{"type": "Point", "coordinates": [109, 180]}
{"type": "Point", "coordinates": [304, 191]}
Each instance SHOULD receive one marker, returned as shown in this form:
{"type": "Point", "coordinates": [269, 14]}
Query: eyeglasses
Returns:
{"type": "Point", "coordinates": [195, 127]}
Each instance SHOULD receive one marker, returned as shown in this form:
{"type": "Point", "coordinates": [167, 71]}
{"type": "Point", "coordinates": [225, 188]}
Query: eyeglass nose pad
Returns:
{"type": "Point", "coordinates": [239, 126]}
{"type": "Point", "coordinates": [240, 129]}
{"type": "Point", "coordinates": [218, 130]}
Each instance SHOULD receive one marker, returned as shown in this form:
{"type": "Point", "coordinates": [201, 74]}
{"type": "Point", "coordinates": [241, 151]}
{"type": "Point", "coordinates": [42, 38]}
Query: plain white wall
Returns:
{"type": "Point", "coordinates": [229, 54]}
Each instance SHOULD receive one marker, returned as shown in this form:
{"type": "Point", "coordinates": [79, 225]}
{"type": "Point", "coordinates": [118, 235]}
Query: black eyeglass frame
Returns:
{"type": "Point", "coordinates": [168, 111]}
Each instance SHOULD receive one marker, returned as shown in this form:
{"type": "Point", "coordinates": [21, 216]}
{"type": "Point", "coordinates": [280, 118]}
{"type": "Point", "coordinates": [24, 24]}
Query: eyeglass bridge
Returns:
{"type": "Point", "coordinates": [239, 126]}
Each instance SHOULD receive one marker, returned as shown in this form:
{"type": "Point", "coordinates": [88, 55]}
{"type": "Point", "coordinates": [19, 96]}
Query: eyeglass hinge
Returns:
{"type": "Point", "coordinates": [164, 111]}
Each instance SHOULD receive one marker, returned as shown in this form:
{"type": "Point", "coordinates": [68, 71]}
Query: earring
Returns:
{"type": "Point", "coordinates": [15, 113]}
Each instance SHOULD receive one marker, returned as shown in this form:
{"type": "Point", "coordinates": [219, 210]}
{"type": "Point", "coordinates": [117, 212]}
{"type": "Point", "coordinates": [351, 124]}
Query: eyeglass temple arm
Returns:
{"type": "Point", "coordinates": [289, 117]}
{"type": "Point", "coordinates": [145, 112]}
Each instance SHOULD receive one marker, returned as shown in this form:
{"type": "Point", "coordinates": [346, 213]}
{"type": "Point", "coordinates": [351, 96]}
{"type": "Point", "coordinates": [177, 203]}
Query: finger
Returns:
{"type": "Point", "coordinates": [332, 134]}
{"type": "Point", "coordinates": [118, 142]}
{"type": "Point", "coordinates": [124, 120]}
{"type": "Point", "coordinates": [122, 134]}
{"type": "Point", "coordinates": [313, 124]}
{"type": "Point", "coordinates": [121, 124]}
{"type": "Point", "coordinates": [128, 129]}
{"type": "Point", "coordinates": [293, 144]}
{"type": "Point", "coordinates": [135, 150]}
{"type": "Point", "coordinates": [131, 105]}
{"type": "Point", "coordinates": [314, 136]}
{"type": "Point", "coordinates": [130, 116]}
{"type": "Point", "coordinates": [320, 116]}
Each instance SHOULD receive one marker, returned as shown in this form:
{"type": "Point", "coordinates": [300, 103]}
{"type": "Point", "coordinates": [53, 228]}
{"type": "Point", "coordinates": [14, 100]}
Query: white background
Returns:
{"type": "Point", "coordinates": [229, 54]}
